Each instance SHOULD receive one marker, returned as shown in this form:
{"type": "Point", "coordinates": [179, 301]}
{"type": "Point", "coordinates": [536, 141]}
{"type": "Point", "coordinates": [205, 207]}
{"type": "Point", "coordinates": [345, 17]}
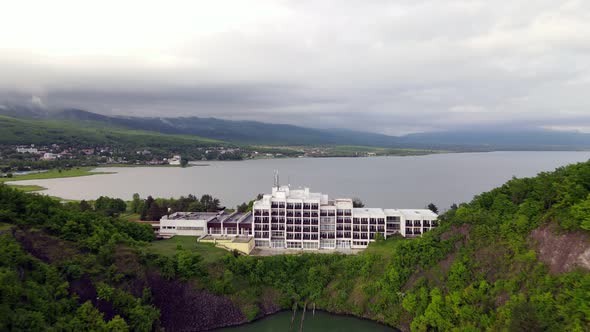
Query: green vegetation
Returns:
{"type": "Point", "coordinates": [153, 209]}
{"type": "Point", "coordinates": [56, 173]}
{"type": "Point", "coordinates": [172, 246]}
{"type": "Point", "coordinates": [52, 244]}
{"type": "Point", "coordinates": [27, 188]}
{"type": "Point", "coordinates": [355, 151]}
{"type": "Point", "coordinates": [506, 261]}
{"type": "Point", "coordinates": [40, 132]}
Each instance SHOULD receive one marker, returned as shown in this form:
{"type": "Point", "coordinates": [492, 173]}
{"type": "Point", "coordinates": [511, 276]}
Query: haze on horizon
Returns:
{"type": "Point", "coordinates": [383, 66]}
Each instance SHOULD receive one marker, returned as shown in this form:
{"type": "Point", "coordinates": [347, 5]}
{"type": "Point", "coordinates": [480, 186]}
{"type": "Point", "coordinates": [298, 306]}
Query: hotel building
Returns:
{"type": "Point", "coordinates": [300, 219]}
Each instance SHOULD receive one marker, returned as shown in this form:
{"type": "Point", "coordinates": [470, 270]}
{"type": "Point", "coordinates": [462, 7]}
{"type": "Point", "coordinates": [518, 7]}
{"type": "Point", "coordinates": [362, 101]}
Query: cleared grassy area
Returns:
{"type": "Point", "coordinates": [27, 188]}
{"type": "Point", "coordinates": [55, 173]}
{"type": "Point", "coordinates": [356, 151]}
{"type": "Point", "coordinates": [5, 226]}
{"type": "Point", "coordinates": [140, 165]}
{"type": "Point", "coordinates": [168, 247]}
{"type": "Point", "coordinates": [348, 150]}
{"type": "Point", "coordinates": [131, 216]}
{"type": "Point", "coordinates": [385, 248]}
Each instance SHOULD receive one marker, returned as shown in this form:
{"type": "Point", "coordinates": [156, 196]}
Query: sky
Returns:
{"type": "Point", "coordinates": [392, 67]}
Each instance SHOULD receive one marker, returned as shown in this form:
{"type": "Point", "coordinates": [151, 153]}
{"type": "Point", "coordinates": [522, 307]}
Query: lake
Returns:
{"type": "Point", "coordinates": [320, 322]}
{"type": "Point", "coordinates": [392, 182]}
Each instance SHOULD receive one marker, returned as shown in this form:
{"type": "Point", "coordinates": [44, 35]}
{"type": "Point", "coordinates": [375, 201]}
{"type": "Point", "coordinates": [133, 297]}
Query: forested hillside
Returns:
{"type": "Point", "coordinates": [40, 132]}
{"type": "Point", "coordinates": [515, 258]}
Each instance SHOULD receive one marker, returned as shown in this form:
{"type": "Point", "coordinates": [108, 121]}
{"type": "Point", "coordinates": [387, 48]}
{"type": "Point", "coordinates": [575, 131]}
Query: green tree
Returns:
{"type": "Point", "coordinates": [357, 203]}
{"type": "Point", "coordinates": [432, 208]}
{"type": "Point", "coordinates": [581, 213]}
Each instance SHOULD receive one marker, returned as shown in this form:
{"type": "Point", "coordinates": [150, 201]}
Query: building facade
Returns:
{"type": "Point", "coordinates": [206, 223]}
{"type": "Point", "coordinates": [300, 219]}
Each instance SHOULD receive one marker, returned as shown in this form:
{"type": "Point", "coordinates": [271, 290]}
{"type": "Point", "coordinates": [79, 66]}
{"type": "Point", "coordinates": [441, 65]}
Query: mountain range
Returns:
{"type": "Point", "coordinates": [254, 132]}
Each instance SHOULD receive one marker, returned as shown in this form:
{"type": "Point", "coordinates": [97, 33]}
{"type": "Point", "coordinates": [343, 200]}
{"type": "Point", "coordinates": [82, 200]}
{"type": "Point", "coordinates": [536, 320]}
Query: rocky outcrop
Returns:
{"type": "Point", "coordinates": [184, 308]}
{"type": "Point", "coordinates": [562, 251]}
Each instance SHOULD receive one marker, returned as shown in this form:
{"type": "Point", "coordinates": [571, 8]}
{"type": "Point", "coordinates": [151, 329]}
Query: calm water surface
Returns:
{"type": "Point", "coordinates": [395, 182]}
{"type": "Point", "coordinates": [320, 322]}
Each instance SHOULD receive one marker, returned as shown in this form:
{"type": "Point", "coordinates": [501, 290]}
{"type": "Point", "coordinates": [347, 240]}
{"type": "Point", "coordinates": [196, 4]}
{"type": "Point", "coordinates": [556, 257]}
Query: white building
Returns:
{"type": "Point", "coordinates": [26, 149]}
{"type": "Point", "coordinates": [175, 160]}
{"type": "Point", "coordinates": [49, 156]}
{"type": "Point", "coordinates": [299, 219]}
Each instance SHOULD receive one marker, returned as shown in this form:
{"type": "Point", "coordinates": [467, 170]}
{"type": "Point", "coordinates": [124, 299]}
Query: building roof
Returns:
{"type": "Point", "coordinates": [392, 212]}
{"type": "Point", "coordinates": [418, 213]}
{"type": "Point", "coordinates": [368, 212]}
{"type": "Point", "coordinates": [191, 216]}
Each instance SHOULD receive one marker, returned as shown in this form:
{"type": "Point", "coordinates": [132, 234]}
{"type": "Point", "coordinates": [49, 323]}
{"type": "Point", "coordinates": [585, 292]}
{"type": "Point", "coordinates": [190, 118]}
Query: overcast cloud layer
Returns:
{"type": "Point", "coordinates": [386, 66]}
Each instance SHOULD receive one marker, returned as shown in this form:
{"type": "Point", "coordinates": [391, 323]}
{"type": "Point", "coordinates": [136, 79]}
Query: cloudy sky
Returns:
{"type": "Point", "coordinates": [385, 66]}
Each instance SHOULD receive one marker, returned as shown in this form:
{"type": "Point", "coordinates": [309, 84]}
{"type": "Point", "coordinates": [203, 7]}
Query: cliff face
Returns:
{"type": "Point", "coordinates": [562, 251]}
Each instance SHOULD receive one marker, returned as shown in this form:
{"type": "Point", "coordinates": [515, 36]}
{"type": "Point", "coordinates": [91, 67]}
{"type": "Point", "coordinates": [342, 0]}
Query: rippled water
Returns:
{"type": "Point", "coordinates": [396, 182]}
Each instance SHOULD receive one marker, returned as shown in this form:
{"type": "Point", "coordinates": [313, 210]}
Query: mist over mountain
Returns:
{"type": "Point", "coordinates": [255, 132]}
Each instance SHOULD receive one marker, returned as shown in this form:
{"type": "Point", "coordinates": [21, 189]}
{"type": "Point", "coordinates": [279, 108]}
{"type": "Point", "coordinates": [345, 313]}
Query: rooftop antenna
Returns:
{"type": "Point", "coordinates": [277, 179]}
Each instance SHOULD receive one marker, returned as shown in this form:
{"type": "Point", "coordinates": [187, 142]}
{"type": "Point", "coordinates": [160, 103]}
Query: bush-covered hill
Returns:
{"type": "Point", "coordinates": [514, 259]}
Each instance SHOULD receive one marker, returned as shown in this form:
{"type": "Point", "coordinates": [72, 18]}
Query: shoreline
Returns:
{"type": "Point", "coordinates": [324, 311]}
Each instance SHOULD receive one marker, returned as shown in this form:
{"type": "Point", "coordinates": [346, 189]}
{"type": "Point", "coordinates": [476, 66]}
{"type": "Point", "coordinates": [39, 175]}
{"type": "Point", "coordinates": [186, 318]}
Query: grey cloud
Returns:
{"type": "Point", "coordinates": [391, 67]}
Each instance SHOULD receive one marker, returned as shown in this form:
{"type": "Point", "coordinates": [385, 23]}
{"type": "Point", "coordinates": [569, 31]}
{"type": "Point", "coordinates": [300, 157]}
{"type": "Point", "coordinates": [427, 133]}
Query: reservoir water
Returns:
{"type": "Point", "coordinates": [320, 322]}
{"type": "Point", "coordinates": [396, 182]}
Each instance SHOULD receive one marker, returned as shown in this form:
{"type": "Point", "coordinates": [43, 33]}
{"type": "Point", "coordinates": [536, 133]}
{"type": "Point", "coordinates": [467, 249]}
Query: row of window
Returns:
{"type": "Point", "coordinates": [418, 223]}
{"type": "Point", "coordinates": [182, 228]}
{"type": "Point", "coordinates": [290, 206]}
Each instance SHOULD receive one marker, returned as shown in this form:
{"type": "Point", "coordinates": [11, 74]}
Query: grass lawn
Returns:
{"type": "Point", "coordinates": [55, 173]}
{"type": "Point", "coordinates": [130, 216]}
{"type": "Point", "coordinates": [27, 188]}
{"type": "Point", "coordinates": [5, 226]}
{"type": "Point", "coordinates": [139, 165]}
{"type": "Point", "coordinates": [208, 251]}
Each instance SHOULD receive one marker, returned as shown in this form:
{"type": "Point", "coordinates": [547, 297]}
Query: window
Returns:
{"type": "Point", "coordinates": [277, 243]}
{"type": "Point", "coordinates": [259, 243]}
{"type": "Point", "coordinates": [310, 245]}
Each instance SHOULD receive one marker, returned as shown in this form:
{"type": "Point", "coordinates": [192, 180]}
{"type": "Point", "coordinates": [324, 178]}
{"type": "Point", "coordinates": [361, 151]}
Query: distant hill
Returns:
{"type": "Point", "coordinates": [254, 132]}
{"type": "Point", "coordinates": [250, 132]}
{"type": "Point", "coordinates": [528, 139]}
{"type": "Point", "coordinates": [40, 132]}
